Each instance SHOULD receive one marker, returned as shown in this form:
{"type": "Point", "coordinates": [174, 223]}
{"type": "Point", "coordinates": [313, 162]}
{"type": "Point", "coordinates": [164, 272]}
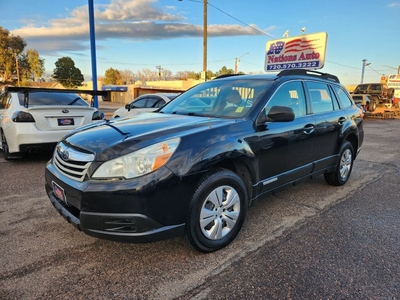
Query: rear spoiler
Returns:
{"type": "Point", "coordinates": [22, 89]}
{"type": "Point", "coordinates": [28, 90]}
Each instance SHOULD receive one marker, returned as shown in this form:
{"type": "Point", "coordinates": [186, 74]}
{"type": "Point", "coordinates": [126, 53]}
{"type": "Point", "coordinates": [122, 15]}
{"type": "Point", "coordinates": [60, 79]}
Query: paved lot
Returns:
{"type": "Point", "coordinates": [311, 241]}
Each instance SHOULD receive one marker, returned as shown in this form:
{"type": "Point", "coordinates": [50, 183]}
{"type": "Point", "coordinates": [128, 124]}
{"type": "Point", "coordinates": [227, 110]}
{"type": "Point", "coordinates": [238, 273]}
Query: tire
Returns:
{"type": "Point", "coordinates": [212, 223]}
{"type": "Point", "coordinates": [4, 146]}
{"type": "Point", "coordinates": [372, 106]}
{"type": "Point", "coordinates": [344, 166]}
{"type": "Point", "coordinates": [7, 154]}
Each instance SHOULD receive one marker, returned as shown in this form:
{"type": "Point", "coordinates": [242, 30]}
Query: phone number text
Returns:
{"type": "Point", "coordinates": [311, 64]}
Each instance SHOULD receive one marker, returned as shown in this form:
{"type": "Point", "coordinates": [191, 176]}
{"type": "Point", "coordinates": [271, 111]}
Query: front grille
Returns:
{"type": "Point", "coordinates": [72, 163]}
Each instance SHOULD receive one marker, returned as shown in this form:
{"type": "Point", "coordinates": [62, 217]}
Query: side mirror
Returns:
{"type": "Point", "coordinates": [277, 114]}
{"type": "Point", "coordinates": [128, 107]}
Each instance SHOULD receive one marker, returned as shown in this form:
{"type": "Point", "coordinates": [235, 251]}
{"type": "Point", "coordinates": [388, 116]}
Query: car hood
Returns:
{"type": "Point", "coordinates": [120, 136]}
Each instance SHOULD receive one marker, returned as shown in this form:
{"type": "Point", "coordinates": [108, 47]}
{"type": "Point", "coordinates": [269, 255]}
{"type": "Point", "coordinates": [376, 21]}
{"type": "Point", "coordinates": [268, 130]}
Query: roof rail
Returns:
{"type": "Point", "coordinates": [313, 73]}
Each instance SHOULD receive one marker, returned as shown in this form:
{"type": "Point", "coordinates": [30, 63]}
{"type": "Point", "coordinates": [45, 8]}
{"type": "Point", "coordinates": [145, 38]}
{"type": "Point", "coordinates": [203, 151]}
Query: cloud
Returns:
{"type": "Point", "coordinates": [120, 19]}
{"type": "Point", "coordinates": [394, 4]}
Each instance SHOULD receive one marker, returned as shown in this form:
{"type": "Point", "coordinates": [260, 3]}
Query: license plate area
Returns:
{"type": "Point", "coordinates": [59, 192]}
{"type": "Point", "coordinates": [66, 122]}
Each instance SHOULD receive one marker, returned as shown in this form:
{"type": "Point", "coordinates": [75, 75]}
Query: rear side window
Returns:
{"type": "Point", "coordinates": [45, 98]}
{"type": "Point", "coordinates": [344, 98]}
{"type": "Point", "coordinates": [321, 97]}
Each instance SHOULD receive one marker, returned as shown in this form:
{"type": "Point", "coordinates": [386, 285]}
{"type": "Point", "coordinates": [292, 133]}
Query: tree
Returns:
{"type": "Point", "coordinates": [112, 76]}
{"type": "Point", "coordinates": [35, 64]}
{"type": "Point", "coordinates": [224, 70]}
{"type": "Point", "coordinates": [67, 74]}
{"type": "Point", "coordinates": [11, 47]}
{"type": "Point", "coordinates": [127, 76]}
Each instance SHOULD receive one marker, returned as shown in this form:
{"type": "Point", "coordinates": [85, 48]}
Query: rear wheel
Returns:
{"type": "Point", "coordinates": [344, 166]}
{"type": "Point", "coordinates": [217, 210]}
{"type": "Point", "coordinates": [4, 146]}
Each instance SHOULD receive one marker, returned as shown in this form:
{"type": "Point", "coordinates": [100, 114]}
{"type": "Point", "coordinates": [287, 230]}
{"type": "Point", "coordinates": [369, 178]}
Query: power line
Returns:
{"type": "Point", "coordinates": [239, 20]}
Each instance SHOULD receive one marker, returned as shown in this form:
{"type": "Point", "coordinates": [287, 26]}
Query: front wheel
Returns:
{"type": "Point", "coordinates": [344, 166]}
{"type": "Point", "coordinates": [372, 106]}
{"type": "Point", "coordinates": [217, 210]}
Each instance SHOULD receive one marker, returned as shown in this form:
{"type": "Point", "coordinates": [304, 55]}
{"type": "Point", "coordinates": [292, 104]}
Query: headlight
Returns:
{"type": "Point", "coordinates": [138, 163]}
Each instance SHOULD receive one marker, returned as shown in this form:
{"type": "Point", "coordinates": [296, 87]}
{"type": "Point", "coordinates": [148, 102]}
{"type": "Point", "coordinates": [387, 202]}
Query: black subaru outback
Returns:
{"type": "Point", "coordinates": [195, 166]}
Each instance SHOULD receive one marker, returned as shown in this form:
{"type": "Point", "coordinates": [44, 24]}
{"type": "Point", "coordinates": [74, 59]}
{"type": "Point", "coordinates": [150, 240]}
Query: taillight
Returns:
{"type": "Point", "coordinates": [97, 115]}
{"type": "Point", "coordinates": [22, 116]}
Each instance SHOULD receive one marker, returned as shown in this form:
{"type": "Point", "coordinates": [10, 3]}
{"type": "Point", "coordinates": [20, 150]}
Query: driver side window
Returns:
{"type": "Point", "coordinates": [290, 94]}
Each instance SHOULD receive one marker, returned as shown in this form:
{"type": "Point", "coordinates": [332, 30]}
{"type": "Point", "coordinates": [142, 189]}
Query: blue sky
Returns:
{"type": "Point", "coordinates": [143, 34]}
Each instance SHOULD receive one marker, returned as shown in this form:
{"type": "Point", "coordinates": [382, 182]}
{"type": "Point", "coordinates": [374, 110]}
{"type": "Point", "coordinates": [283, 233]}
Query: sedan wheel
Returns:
{"type": "Point", "coordinates": [217, 211]}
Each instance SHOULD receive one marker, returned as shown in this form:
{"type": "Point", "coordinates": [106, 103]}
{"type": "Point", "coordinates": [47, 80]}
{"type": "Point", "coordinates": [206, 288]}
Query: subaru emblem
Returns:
{"type": "Point", "coordinates": [65, 111]}
{"type": "Point", "coordinates": [65, 155]}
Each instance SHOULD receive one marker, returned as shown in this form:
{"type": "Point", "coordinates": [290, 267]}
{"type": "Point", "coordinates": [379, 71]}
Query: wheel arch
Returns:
{"type": "Point", "coordinates": [242, 170]}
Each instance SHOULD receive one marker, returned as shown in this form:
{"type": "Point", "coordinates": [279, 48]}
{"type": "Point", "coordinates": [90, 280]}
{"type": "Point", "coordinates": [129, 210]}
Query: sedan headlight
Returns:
{"type": "Point", "coordinates": [138, 163]}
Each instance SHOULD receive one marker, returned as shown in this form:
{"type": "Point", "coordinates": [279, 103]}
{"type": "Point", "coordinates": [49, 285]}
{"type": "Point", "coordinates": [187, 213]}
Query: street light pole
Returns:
{"type": "Point", "coordinates": [237, 62]}
{"type": "Point", "coordinates": [362, 70]}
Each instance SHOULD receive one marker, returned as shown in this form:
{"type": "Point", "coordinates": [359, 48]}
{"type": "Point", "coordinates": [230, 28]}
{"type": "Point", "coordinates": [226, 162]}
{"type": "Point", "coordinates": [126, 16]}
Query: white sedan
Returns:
{"type": "Point", "coordinates": [144, 103]}
{"type": "Point", "coordinates": [35, 119]}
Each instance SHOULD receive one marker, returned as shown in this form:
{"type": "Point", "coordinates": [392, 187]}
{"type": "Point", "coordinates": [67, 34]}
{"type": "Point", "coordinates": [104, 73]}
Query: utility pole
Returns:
{"type": "Point", "coordinates": [159, 72]}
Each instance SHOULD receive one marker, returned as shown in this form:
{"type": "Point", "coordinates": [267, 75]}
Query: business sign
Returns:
{"type": "Point", "coordinates": [305, 51]}
{"type": "Point", "coordinates": [393, 81]}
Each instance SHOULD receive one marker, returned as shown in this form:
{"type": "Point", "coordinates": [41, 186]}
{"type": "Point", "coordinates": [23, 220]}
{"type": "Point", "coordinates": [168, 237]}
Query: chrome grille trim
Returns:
{"type": "Point", "coordinates": [72, 163]}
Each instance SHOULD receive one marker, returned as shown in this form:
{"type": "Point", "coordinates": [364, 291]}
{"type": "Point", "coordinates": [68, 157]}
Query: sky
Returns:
{"type": "Point", "coordinates": [146, 34]}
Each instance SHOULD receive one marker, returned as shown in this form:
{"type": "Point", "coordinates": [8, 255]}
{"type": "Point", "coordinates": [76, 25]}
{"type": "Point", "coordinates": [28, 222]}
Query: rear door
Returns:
{"type": "Point", "coordinates": [329, 120]}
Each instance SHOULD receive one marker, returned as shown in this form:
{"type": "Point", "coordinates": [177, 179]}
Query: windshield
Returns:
{"type": "Point", "coordinates": [229, 98]}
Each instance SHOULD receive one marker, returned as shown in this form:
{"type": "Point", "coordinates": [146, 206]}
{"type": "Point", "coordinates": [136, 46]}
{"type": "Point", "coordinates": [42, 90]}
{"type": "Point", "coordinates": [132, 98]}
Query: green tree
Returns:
{"type": "Point", "coordinates": [66, 73]}
{"type": "Point", "coordinates": [35, 65]}
{"type": "Point", "coordinates": [11, 48]}
{"type": "Point", "coordinates": [224, 70]}
{"type": "Point", "coordinates": [112, 76]}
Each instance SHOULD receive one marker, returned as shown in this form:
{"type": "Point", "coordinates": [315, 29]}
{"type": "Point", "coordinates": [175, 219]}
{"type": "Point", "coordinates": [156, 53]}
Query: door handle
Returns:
{"type": "Point", "coordinates": [341, 120]}
{"type": "Point", "coordinates": [308, 129]}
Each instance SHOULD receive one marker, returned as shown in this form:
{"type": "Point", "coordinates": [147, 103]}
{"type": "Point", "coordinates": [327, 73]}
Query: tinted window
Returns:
{"type": "Point", "coordinates": [153, 101]}
{"type": "Point", "coordinates": [46, 98]}
{"type": "Point", "coordinates": [290, 94]}
{"type": "Point", "coordinates": [139, 103]}
{"type": "Point", "coordinates": [344, 97]}
{"type": "Point", "coordinates": [321, 99]}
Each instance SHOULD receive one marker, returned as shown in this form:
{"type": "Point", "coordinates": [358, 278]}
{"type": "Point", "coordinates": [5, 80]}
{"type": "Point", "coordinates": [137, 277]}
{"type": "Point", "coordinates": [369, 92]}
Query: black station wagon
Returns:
{"type": "Point", "coordinates": [195, 166]}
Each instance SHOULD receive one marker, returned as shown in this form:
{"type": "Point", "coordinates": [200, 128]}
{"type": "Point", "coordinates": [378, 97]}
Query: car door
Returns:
{"type": "Point", "coordinates": [286, 148]}
{"type": "Point", "coordinates": [329, 119]}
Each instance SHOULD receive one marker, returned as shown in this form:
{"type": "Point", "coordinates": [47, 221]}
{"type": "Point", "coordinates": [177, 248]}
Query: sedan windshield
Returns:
{"type": "Point", "coordinates": [229, 98]}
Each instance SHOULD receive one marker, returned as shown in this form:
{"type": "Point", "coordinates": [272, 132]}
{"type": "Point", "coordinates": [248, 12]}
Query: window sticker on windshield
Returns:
{"type": "Point", "coordinates": [239, 109]}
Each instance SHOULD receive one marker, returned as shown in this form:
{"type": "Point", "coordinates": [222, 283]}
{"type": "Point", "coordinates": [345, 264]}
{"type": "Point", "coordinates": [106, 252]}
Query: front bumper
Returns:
{"type": "Point", "coordinates": [136, 211]}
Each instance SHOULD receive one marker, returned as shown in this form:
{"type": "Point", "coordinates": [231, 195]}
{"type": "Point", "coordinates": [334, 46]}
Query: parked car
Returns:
{"type": "Point", "coordinates": [364, 101]}
{"type": "Point", "coordinates": [35, 119]}
{"type": "Point", "coordinates": [194, 167]}
{"type": "Point", "coordinates": [144, 103]}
